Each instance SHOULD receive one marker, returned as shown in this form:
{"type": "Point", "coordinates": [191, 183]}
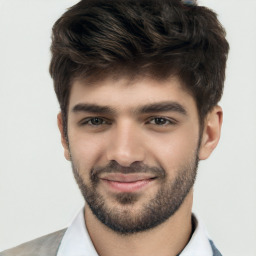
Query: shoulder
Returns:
{"type": "Point", "coordinates": [45, 245]}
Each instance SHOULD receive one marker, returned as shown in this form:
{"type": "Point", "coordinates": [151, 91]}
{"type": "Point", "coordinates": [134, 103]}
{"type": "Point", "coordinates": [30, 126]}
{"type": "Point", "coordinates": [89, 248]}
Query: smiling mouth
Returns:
{"type": "Point", "coordinates": [127, 182]}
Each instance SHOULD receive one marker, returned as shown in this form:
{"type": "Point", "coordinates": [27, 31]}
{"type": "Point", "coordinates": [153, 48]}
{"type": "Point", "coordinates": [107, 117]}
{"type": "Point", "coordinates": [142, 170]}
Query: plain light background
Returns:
{"type": "Point", "coordinates": [38, 194]}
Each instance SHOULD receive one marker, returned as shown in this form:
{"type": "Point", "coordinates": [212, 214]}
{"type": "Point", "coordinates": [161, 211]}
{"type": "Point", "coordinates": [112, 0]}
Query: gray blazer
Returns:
{"type": "Point", "coordinates": [43, 246]}
{"type": "Point", "coordinates": [48, 246]}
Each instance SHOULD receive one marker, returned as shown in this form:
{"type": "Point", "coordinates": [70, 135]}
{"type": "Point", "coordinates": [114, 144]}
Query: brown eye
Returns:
{"type": "Point", "coordinates": [96, 121]}
{"type": "Point", "coordinates": [160, 121]}
{"type": "Point", "coordinates": [93, 121]}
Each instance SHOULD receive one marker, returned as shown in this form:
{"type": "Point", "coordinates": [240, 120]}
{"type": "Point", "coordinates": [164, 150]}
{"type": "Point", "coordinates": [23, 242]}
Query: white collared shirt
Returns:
{"type": "Point", "coordinates": [77, 242]}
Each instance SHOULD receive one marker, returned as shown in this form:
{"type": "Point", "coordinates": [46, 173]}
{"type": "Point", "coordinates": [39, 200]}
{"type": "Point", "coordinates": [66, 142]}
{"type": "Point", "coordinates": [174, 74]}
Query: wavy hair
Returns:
{"type": "Point", "coordinates": [99, 38]}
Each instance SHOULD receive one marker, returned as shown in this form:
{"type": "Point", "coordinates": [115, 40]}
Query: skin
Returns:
{"type": "Point", "coordinates": [126, 135]}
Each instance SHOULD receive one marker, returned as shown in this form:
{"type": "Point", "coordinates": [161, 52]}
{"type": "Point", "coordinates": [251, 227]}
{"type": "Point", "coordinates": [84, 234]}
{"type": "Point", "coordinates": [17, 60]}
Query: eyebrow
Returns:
{"type": "Point", "coordinates": [145, 109]}
{"type": "Point", "coordinates": [163, 107]}
{"type": "Point", "coordinates": [93, 108]}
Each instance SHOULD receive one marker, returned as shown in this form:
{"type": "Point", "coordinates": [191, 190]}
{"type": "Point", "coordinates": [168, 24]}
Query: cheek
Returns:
{"type": "Point", "coordinates": [85, 150]}
{"type": "Point", "coordinates": [172, 151]}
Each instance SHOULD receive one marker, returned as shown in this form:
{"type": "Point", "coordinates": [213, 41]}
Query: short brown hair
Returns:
{"type": "Point", "coordinates": [139, 37]}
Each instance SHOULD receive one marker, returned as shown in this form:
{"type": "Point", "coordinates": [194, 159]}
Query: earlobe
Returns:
{"type": "Point", "coordinates": [63, 138]}
{"type": "Point", "coordinates": [211, 132]}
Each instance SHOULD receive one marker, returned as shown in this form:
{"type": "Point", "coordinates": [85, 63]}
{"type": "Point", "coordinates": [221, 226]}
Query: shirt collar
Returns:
{"type": "Point", "coordinates": [77, 241]}
{"type": "Point", "coordinates": [198, 244]}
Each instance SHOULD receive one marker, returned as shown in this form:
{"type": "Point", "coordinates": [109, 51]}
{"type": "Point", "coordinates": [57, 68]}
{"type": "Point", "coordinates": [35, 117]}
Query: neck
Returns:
{"type": "Point", "coordinates": [168, 238]}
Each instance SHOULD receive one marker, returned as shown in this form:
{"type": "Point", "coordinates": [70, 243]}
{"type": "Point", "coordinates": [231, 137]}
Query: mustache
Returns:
{"type": "Point", "coordinates": [136, 167]}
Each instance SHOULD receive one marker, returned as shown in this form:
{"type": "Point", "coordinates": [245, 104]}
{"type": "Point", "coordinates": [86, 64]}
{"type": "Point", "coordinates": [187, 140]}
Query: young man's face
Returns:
{"type": "Point", "coordinates": [134, 149]}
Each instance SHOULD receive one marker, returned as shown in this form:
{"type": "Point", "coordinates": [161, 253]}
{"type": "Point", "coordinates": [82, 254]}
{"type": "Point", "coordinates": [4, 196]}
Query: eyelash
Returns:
{"type": "Point", "coordinates": [88, 121]}
{"type": "Point", "coordinates": [104, 121]}
{"type": "Point", "coordinates": [168, 120]}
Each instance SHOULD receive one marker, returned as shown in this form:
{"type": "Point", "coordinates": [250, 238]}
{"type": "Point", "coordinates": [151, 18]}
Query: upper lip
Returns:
{"type": "Point", "coordinates": [131, 177]}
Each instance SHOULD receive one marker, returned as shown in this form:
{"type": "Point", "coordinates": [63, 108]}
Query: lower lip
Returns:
{"type": "Point", "coordinates": [128, 186]}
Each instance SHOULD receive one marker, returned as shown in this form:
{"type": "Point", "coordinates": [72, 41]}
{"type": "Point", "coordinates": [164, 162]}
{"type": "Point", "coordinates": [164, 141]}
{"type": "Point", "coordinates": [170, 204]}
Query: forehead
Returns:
{"type": "Point", "coordinates": [124, 93]}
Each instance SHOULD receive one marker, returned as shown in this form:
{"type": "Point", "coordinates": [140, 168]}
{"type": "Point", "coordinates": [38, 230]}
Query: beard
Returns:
{"type": "Point", "coordinates": [166, 201]}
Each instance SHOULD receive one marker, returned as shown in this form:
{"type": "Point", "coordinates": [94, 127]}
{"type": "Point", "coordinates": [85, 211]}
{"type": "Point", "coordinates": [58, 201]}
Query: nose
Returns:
{"type": "Point", "coordinates": [126, 144]}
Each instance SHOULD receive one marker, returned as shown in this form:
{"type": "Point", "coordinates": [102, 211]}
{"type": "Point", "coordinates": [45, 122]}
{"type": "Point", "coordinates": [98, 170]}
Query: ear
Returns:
{"type": "Point", "coordinates": [211, 132]}
{"type": "Point", "coordinates": [63, 138]}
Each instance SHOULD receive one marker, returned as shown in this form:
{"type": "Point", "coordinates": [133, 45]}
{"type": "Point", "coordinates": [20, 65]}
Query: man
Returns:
{"type": "Point", "coordinates": [138, 84]}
